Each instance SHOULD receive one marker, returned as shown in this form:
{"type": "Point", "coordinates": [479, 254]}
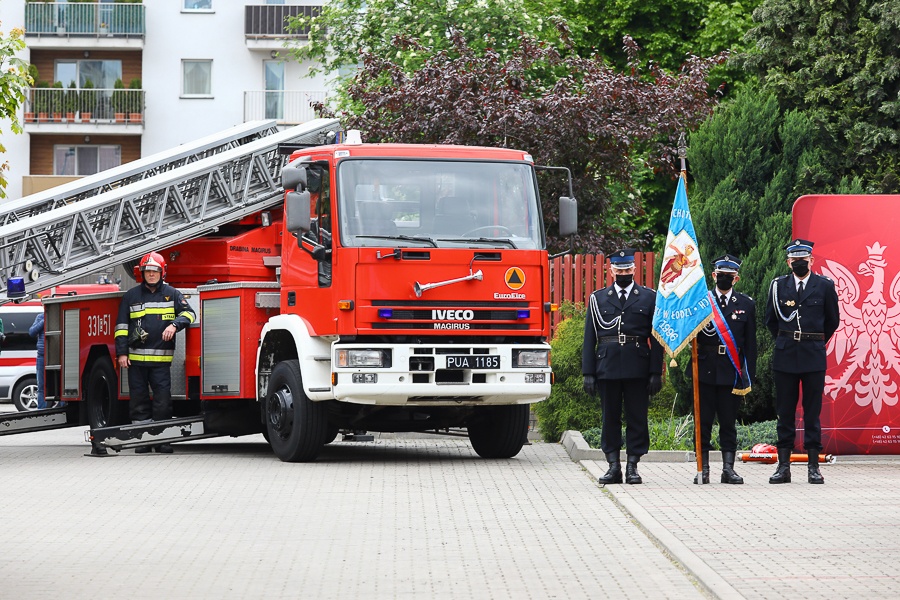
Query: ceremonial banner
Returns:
{"type": "Point", "coordinates": [682, 304]}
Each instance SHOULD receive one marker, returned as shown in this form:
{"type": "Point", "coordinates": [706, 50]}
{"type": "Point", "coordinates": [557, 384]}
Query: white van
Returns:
{"type": "Point", "coordinates": [18, 355]}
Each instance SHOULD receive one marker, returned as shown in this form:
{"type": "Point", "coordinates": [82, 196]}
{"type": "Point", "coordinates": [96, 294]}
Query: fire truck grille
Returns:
{"type": "Point", "coordinates": [479, 315]}
{"type": "Point", "coordinates": [447, 304]}
{"type": "Point", "coordinates": [430, 325]}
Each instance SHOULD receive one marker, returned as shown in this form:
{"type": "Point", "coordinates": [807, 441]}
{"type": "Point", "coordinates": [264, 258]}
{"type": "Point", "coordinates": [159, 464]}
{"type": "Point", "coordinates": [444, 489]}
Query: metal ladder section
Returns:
{"type": "Point", "coordinates": [122, 223]}
{"type": "Point", "coordinates": [86, 187]}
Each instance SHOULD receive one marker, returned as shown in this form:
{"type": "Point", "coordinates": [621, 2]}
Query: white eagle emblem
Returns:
{"type": "Point", "coordinates": [868, 337]}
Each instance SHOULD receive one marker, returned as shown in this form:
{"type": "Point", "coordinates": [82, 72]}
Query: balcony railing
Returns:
{"type": "Point", "coordinates": [267, 21]}
{"type": "Point", "coordinates": [287, 108]}
{"type": "Point", "coordinates": [83, 105]}
{"type": "Point", "coordinates": [84, 19]}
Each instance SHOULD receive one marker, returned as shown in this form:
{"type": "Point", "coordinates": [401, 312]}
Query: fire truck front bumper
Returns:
{"type": "Point", "coordinates": [455, 376]}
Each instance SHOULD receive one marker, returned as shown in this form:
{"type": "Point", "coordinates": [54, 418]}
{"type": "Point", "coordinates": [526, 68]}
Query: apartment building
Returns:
{"type": "Point", "coordinates": [116, 81]}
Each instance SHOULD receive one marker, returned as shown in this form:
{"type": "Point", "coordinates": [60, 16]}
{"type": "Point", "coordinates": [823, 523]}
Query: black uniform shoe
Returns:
{"type": "Point", "coordinates": [813, 465]}
{"type": "Point", "coordinates": [728, 474]}
{"type": "Point", "coordinates": [783, 471]}
{"type": "Point", "coordinates": [165, 449]}
{"type": "Point", "coordinates": [143, 450]}
{"type": "Point", "coordinates": [614, 473]}
{"type": "Point", "coordinates": [631, 474]}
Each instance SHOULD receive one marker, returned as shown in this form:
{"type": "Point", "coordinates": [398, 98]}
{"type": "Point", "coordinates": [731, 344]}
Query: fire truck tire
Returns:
{"type": "Point", "coordinates": [297, 427]}
{"type": "Point", "coordinates": [102, 397]}
{"type": "Point", "coordinates": [24, 395]}
{"type": "Point", "coordinates": [500, 432]}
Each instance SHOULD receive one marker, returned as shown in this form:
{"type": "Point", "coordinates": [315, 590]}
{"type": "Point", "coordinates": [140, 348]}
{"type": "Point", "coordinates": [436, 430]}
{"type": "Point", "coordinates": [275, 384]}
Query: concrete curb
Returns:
{"type": "Point", "coordinates": [578, 450]}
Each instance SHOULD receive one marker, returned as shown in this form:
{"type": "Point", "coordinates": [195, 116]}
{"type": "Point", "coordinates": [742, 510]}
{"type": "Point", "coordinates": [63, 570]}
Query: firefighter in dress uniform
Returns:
{"type": "Point", "coordinates": [150, 315]}
{"type": "Point", "coordinates": [622, 362]}
{"type": "Point", "coordinates": [727, 364]}
{"type": "Point", "coordinates": [802, 314]}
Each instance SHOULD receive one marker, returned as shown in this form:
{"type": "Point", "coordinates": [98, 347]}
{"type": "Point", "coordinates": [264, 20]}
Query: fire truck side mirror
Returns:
{"type": "Point", "coordinates": [297, 212]}
{"type": "Point", "coordinates": [568, 216]}
{"type": "Point", "coordinates": [293, 178]}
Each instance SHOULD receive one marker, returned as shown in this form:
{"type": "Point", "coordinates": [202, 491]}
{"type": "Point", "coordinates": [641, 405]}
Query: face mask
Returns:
{"type": "Point", "coordinates": [800, 267]}
{"type": "Point", "coordinates": [724, 281]}
{"type": "Point", "coordinates": [623, 281]}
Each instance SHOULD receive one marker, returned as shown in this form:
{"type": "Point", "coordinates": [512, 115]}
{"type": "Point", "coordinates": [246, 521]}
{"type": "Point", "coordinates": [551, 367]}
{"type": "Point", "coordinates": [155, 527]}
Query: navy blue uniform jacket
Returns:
{"type": "Point", "coordinates": [818, 312]}
{"type": "Point", "coordinates": [715, 368]}
{"type": "Point", "coordinates": [634, 359]}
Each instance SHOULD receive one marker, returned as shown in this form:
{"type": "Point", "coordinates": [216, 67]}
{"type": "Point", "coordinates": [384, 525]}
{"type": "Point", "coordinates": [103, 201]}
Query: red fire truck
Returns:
{"type": "Point", "coordinates": [397, 288]}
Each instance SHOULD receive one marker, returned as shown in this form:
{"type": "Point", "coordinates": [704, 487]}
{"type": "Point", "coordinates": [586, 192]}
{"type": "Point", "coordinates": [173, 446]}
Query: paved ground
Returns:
{"type": "Point", "coordinates": [426, 518]}
{"type": "Point", "coordinates": [390, 519]}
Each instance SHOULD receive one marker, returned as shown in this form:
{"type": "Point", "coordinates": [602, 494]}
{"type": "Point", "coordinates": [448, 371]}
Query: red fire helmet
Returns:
{"type": "Point", "coordinates": [153, 261]}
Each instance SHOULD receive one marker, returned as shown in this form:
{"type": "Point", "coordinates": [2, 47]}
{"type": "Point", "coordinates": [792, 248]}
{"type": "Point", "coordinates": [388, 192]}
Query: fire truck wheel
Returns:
{"type": "Point", "coordinates": [500, 432]}
{"type": "Point", "coordinates": [25, 394]}
{"type": "Point", "coordinates": [101, 395]}
{"type": "Point", "coordinates": [297, 427]}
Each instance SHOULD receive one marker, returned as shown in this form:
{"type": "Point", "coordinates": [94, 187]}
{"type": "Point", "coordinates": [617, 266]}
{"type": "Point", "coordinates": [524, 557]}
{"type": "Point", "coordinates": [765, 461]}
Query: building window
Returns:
{"type": "Point", "coordinates": [85, 160]}
{"type": "Point", "coordinates": [198, 5]}
{"type": "Point", "coordinates": [102, 73]}
{"type": "Point", "coordinates": [274, 76]}
{"type": "Point", "coordinates": [197, 78]}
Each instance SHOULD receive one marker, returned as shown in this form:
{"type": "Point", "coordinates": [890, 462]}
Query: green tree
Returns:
{"type": "Point", "coordinates": [839, 62]}
{"type": "Point", "coordinates": [14, 83]}
{"type": "Point", "coordinates": [342, 31]}
{"type": "Point", "coordinates": [668, 30]}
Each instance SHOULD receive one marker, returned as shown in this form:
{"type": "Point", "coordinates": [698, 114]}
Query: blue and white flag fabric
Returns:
{"type": "Point", "coordinates": [682, 303]}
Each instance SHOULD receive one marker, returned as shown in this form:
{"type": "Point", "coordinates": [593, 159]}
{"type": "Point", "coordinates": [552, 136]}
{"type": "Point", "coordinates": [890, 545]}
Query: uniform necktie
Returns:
{"type": "Point", "coordinates": [622, 297]}
{"type": "Point", "coordinates": [800, 288]}
{"type": "Point", "coordinates": [723, 301]}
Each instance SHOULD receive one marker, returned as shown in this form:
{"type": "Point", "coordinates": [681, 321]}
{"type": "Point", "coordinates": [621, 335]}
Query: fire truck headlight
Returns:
{"type": "Point", "coordinates": [354, 358]}
{"type": "Point", "coordinates": [531, 358]}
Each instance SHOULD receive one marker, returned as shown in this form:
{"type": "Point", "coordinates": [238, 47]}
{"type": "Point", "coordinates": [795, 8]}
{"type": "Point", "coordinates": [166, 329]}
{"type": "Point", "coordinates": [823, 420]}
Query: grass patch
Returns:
{"type": "Point", "coordinates": [677, 433]}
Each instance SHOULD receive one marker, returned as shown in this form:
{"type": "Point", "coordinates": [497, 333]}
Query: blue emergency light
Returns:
{"type": "Point", "coordinates": [15, 288]}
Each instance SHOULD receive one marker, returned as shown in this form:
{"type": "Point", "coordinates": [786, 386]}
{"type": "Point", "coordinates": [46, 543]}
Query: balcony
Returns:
{"type": "Point", "coordinates": [84, 25]}
{"type": "Point", "coordinates": [84, 110]}
{"type": "Point", "coordinates": [264, 24]}
{"type": "Point", "coordinates": [286, 107]}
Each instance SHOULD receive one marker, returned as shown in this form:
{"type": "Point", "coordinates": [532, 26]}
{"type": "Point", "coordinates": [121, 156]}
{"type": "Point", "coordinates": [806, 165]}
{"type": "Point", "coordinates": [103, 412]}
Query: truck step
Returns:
{"type": "Point", "coordinates": [35, 420]}
{"type": "Point", "coordinates": [136, 435]}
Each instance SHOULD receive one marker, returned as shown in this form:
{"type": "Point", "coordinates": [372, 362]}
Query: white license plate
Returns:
{"type": "Point", "coordinates": [474, 361]}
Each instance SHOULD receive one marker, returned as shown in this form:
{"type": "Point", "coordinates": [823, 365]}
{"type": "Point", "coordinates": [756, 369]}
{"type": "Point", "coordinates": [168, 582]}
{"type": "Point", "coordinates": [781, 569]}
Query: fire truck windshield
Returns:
{"type": "Point", "coordinates": [438, 203]}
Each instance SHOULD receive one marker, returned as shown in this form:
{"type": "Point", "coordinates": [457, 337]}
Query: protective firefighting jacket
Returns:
{"type": "Point", "coordinates": [143, 310]}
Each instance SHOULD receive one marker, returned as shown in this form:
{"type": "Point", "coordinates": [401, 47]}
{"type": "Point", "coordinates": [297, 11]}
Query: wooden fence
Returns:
{"type": "Point", "coordinates": [573, 278]}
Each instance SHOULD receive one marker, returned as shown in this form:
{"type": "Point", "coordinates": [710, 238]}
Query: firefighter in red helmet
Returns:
{"type": "Point", "coordinates": [150, 315]}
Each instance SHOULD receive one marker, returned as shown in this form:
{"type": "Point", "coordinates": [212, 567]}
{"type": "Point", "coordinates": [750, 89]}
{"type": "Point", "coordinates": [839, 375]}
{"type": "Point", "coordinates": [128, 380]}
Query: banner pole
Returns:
{"type": "Point", "coordinates": [695, 370]}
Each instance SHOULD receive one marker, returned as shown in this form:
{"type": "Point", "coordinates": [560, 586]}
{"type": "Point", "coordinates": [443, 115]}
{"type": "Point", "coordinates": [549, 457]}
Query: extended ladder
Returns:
{"type": "Point", "coordinates": [73, 191]}
{"type": "Point", "coordinates": [51, 241]}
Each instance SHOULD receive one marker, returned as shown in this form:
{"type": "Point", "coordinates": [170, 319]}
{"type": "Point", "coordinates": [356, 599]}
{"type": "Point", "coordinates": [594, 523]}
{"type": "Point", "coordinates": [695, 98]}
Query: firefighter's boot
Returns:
{"type": "Point", "coordinates": [813, 465]}
{"type": "Point", "coordinates": [705, 472]}
{"type": "Point", "coordinates": [631, 473]}
{"type": "Point", "coordinates": [614, 473]}
{"type": "Point", "coordinates": [783, 471]}
{"type": "Point", "coordinates": [728, 474]}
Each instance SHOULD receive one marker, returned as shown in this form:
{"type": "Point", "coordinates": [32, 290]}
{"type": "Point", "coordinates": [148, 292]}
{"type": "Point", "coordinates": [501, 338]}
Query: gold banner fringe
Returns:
{"type": "Point", "coordinates": [687, 340]}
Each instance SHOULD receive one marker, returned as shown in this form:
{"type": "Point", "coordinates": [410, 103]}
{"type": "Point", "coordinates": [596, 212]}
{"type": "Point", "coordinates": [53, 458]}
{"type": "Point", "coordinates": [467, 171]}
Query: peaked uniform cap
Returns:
{"type": "Point", "coordinates": [799, 248]}
{"type": "Point", "coordinates": [727, 263]}
{"type": "Point", "coordinates": [622, 259]}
